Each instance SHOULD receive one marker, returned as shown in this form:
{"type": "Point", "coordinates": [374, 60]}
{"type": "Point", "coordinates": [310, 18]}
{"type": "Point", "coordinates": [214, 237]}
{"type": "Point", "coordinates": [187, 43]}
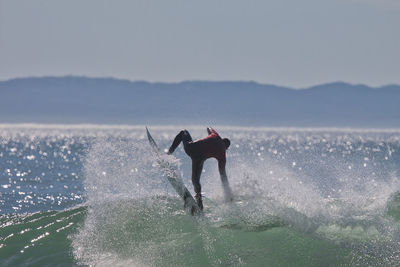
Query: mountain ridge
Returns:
{"type": "Point", "coordinates": [79, 99]}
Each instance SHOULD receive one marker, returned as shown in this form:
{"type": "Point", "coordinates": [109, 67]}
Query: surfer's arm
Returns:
{"type": "Point", "coordinates": [175, 143]}
{"type": "Point", "coordinates": [181, 136]}
{"type": "Point", "coordinates": [222, 171]}
{"type": "Point", "coordinates": [211, 131]}
{"type": "Point", "coordinates": [224, 179]}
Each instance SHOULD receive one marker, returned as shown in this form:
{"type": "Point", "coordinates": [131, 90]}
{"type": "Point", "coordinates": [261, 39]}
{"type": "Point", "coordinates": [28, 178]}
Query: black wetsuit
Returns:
{"type": "Point", "coordinates": [212, 146]}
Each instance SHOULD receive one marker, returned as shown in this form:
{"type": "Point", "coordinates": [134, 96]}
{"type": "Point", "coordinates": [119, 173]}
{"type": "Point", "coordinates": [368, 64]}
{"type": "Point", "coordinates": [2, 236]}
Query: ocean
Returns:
{"type": "Point", "coordinates": [79, 195]}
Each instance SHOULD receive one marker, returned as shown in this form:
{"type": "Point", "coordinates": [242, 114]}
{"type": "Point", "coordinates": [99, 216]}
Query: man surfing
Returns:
{"type": "Point", "coordinates": [212, 146]}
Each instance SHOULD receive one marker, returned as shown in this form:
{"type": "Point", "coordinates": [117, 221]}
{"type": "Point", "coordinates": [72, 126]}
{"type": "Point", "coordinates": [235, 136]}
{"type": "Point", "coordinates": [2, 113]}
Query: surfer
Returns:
{"type": "Point", "coordinates": [212, 146]}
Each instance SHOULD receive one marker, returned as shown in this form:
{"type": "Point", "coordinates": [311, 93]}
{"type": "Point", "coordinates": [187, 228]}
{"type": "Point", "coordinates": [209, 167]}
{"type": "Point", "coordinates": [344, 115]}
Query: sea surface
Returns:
{"type": "Point", "coordinates": [78, 195]}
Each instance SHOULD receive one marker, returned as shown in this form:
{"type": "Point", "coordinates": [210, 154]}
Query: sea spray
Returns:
{"type": "Point", "coordinates": [302, 197]}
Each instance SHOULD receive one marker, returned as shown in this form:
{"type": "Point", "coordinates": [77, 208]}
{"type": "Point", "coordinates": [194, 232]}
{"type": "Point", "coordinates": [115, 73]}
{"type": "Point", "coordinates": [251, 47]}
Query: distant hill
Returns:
{"type": "Point", "coordinates": [112, 101]}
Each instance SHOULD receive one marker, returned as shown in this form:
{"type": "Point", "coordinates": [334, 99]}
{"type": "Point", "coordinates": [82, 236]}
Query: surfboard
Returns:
{"type": "Point", "coordinates": [171, 171]}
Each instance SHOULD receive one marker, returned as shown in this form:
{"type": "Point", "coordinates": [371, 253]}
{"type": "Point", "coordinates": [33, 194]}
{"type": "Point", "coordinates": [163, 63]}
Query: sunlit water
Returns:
{"type": "Point", "coordinates": [93, 195]}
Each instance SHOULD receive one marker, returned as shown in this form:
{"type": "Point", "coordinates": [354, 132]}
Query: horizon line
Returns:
{"type": "Point", "coordinates": [194, 80]}
{"type": "Point", "coordinates": [88, 126]}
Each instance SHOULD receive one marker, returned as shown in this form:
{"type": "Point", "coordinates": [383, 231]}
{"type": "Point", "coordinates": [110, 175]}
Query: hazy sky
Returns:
{"type": "Point", "coordinates": [295, 43]}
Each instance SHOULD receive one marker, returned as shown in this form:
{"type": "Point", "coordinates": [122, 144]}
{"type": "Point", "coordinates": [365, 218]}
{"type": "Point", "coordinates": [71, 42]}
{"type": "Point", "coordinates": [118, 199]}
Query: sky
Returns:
{"type": "Point", "coordinates": [296, 43]}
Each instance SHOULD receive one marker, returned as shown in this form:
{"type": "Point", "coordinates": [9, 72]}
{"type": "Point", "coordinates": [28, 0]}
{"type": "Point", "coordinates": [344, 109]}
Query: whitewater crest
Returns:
{"type": "Point", "coordinates": [327, 191]}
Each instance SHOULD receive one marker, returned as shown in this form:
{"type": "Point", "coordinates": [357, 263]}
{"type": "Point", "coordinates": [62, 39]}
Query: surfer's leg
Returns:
{"type": "Point", "coordinates": [197, 167]}
{"type": "Point", "coordinates": [181, 136]}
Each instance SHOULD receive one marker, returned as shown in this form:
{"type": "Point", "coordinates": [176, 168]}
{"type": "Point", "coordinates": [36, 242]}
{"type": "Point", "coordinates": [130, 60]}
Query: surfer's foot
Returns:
{"type": "Point", "coordinates": [199, 201]}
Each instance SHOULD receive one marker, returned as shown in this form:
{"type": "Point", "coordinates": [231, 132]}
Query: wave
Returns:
{"type": "Point", "coordinates": [299, 200]}
{"type": "Point", "coordinates": [156, 231]}
{"type": "Point", "coordinates": [279, 218]}
{"type": "Point", "coordinates": [39, 239]}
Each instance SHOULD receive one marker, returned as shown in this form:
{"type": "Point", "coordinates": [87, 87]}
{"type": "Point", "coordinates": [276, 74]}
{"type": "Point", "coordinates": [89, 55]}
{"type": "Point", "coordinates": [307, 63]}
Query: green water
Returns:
{"type": "Point", "coordinates": [144, 233]}
{"type": "Point", "coordinates": [301, 199]}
